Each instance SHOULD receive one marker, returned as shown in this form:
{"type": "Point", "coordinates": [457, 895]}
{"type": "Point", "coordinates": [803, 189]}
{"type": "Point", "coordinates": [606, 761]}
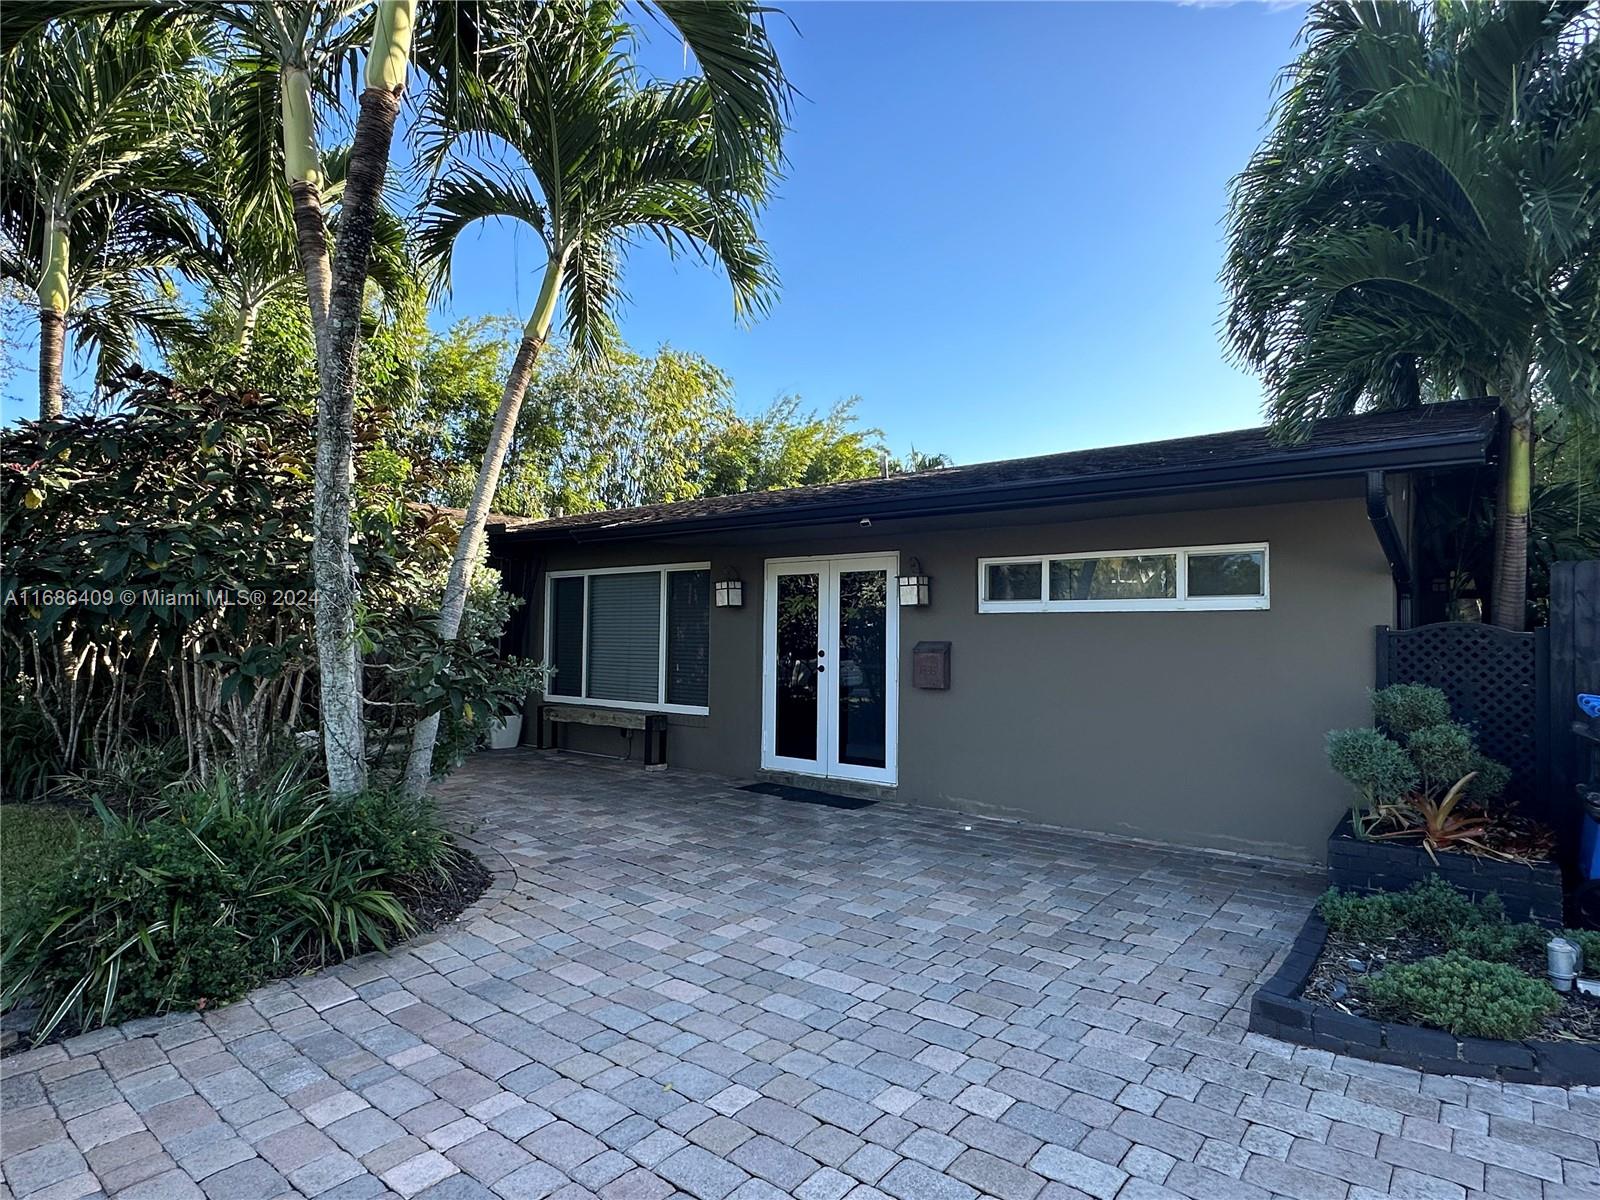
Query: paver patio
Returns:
{"type": "Point", "coordinates": [680, 988]}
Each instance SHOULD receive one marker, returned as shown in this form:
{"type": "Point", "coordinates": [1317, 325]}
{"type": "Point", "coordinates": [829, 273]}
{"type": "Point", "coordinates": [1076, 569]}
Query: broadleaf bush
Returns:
{"type": "Point", "coordinates": [212, 891]}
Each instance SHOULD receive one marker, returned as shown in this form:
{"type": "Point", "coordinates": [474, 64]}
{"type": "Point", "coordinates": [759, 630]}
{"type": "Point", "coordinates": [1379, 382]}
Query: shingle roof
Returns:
{"type": "Point", "coordinates": [1453, 434]}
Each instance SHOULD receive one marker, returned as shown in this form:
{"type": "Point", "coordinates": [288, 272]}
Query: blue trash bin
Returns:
{"type": "Point", "coordinates": [1589, 837]}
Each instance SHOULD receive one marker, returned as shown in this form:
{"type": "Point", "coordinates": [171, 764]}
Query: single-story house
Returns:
{"type": "Point", "coordinates": [1148, 640]}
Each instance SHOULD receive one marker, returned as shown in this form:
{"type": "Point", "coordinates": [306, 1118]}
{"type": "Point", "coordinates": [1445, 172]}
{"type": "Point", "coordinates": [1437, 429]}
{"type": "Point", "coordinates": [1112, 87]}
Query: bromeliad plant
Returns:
{"type": "Point", "coordinates": [1418, 773]}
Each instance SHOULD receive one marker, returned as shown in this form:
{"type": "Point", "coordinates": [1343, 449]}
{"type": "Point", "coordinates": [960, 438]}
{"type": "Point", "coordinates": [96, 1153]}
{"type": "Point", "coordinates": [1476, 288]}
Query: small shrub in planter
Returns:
{"type": "Point", "coordinates": [1380, 770]}
{"type": "Point", "coordinates": [1403, 709]}
{"type": "Point", "coordinates": [1414, 768]}
{"type": "Point", "coordinates": [1431, 907]}
{"type": "Point", "coordinates": [1465, 995]}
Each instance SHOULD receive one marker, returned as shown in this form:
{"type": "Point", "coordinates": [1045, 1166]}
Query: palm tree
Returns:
{"type": "Point", "coordinates": [1420, 223]}
{"type": "Point", "coordinates": [587, 157]}
{"type": "Point", "coordinates": [250, 256]}
{"type": "Point", "coordinates": [96, 119]}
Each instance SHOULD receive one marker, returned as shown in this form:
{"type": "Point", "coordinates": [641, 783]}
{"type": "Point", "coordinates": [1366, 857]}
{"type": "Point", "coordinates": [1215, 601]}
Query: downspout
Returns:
{"type": "Point", "coordinates": [1394, 549]}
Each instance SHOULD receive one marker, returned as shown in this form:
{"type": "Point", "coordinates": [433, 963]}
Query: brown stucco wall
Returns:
{"type": "Point", "coordinates": [1203, 728]}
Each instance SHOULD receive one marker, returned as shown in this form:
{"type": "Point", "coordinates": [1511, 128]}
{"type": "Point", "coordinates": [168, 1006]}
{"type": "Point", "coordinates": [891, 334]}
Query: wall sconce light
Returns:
{"type": "Point", "coordinates": [730, 591]}
{"type": "Point", "coordinates": [913, 587]}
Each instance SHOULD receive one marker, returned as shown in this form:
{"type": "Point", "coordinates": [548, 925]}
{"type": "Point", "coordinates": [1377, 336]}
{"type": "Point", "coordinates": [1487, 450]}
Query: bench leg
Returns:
{"type": "Point", "coordinates": [655, 745]}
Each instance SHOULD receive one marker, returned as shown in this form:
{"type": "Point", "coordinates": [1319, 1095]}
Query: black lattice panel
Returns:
{"type": "Point", "coordinates": [1492, 678]}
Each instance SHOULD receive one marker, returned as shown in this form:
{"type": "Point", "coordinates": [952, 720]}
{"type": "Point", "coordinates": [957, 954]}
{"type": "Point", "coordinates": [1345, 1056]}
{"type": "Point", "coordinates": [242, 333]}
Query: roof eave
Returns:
{"type": "Point", "coordinates": [1434, 451]}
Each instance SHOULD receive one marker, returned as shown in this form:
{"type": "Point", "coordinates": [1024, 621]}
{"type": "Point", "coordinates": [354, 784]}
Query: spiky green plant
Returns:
{"type": "Point", "coordinates": [96, 191]}
{"type": "Point", "coordinates": [1421, 222]}
{"type": "Point", "coordinates": [588, 156]}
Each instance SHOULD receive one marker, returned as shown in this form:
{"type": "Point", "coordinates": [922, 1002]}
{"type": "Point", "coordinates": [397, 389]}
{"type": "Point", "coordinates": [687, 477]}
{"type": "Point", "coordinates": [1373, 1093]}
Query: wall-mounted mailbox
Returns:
{"type": "Point", "coordinates": [930, 665]}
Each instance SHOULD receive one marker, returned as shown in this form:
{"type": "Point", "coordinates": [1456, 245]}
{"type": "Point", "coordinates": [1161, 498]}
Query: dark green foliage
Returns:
{"type": "Point", "coordinates": [1500, 942]}
{"type": "Point", "coordinates": [1465, 995]}
{"type": "Point", "coordinates": [190, 510]}
{"type": "Point", "coordinates": [1490, 782]}
{"type": "Point", "coordinates": [1431, 907]}
{"type": "Point", "coordinates": [1411, 757]}
{"type": "Point", "coordinates": [211, 893]}
{"type": "Point", "coordinates": [1588, 941]}
{"type": "Point", "coordinates": [35, 839]}
{"type": "Point", "coordinates": [400, 835]}
{"type": "Point", "coordinates": [1378, 767]}
{"type": "Point", "coordinates": [25, 745]}
{"type": "Point", "coordinates": [1443, 754]}
{"type": "Point", "coordinates": [1402, 709]}
{"type": "Point", "coordinates": [1380, 771]}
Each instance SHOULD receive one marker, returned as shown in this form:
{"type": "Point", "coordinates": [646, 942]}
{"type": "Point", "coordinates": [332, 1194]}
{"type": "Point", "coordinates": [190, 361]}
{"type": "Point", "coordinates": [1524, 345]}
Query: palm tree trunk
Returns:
{"type": "Point", "coordinates": [1508, 606]}
{"type": "Point", "coordinates": [52, 351]}
{"type": "Point", "coordinates": [302, 166]}
{"type": "Point", "coordinates": [54, 297]}
{"type": "Point", "coordinates": [469, 544]}
{"type": "Point", "coordinates": [245, 335]}
{"type": "Point", "coordinates": [333, 564]}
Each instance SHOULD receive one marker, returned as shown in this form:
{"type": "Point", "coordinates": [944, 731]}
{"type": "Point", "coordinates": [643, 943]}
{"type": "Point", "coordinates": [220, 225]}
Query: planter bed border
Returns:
{"type": "Point", "coordinates": [1530, 892]}
{"type": "Point", "coordinates": [1278, 1011]}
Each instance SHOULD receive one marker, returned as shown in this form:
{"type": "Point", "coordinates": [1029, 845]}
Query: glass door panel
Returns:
{"type": "Point", "coordinates": [831, 654]}
{"type": "Point", "coordinates": [862, 685]}
{"type": "Point", "coordinates": [796, 694]}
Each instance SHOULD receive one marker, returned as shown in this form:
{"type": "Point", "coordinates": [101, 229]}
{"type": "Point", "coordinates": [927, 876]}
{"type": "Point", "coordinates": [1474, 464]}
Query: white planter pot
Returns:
{"type": "Point", "coordinates": [506, 734]}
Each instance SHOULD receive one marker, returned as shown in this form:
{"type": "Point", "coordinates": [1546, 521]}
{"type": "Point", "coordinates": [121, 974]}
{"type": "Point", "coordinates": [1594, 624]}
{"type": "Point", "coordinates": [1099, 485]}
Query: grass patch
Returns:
{"type": "Point", "coordinates": [34, 840]}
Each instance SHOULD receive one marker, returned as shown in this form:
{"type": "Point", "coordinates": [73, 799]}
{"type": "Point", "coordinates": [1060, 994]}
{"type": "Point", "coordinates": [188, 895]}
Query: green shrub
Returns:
{"type": "Point", "coordinates": [1443, 754]}
{"type": "Point", "coordinates": [385, 829]}
{"type": "Point", "coordinates": [1379, 770]}
{"type": "Point", "coordinates": [212, 893]}
{"type": "Point", "coordinates": [35, 839]}
{"type": "Point", "coordinates": [1467, 996]}
{"type": "Point", "coordinates": [1501, 942]}
{"type": "Point", "coordinates": [1402, 709]}
{"type": "Point", "coordinates": [1371, 918]}
{"type": "Point", "coordinates": [1588, 941]}
{"type": "Point", "coordinates": [1491, 782]}
{"type": "Point", "coordinates": [1431, 907]}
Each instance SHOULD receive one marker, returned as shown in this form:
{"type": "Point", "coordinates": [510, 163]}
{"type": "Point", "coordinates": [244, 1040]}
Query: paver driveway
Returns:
{"type": "Point", "coordinates": [677, 987]}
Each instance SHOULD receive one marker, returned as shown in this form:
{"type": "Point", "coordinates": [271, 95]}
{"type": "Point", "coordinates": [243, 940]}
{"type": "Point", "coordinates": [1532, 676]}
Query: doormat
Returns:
{"type": "Point", "coordinates": [806, 796]}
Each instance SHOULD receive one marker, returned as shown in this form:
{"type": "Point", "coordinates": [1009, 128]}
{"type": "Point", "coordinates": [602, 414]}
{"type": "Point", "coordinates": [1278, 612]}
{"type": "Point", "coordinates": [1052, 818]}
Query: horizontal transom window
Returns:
{"type": "Point", "coordinates": [1168, 578]}
{"type": "Point", "coordinates": [631, 637]}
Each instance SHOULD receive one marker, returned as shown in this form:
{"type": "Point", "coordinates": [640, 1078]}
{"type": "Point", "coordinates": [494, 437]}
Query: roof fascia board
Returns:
{"type": "Point", "coordinates": [1469, 448]}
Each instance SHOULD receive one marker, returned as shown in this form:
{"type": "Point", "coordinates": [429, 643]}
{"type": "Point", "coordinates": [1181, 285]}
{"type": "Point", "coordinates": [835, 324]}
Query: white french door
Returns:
{"type": "Point", "coordinates": [830, 694]}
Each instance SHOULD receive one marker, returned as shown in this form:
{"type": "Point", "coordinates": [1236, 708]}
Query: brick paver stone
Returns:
{"type": "Point", "coordinates": [676, 988]}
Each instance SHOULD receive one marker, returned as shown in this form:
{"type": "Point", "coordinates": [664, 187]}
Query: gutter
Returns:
{"type": "Point", "coordinates": [1468, 448]}
{"type": "Point", "coordinates": [1383, 524]}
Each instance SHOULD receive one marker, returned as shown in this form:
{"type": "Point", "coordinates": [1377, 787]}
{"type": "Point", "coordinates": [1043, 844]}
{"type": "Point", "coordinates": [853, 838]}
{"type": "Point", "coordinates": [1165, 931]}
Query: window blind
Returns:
{"type": "Point", "coordinates": [566, 637]}
{"type": "Point", "coordinates": [688, 636]}
{"type": "Point", "coordinates": [625, 637]}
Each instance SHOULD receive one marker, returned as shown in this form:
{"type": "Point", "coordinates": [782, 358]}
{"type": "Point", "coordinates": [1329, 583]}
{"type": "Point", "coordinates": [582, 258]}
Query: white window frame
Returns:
{"type": "Point", "coordinates": [1182, 602]}
{"type": "Point", "coordinates": [663, 569]}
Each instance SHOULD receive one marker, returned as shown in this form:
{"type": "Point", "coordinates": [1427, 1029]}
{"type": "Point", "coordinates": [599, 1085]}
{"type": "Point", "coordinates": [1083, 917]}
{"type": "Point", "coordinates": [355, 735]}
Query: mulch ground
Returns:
{"type": "Point", "coordinates": [1339, 981]}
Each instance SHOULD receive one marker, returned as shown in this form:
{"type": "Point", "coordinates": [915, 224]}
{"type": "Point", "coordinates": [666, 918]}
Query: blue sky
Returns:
{"type": "Point", "coordinates": [1001, 225]}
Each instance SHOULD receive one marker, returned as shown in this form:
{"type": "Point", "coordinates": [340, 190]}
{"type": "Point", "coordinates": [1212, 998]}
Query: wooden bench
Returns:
{"type": "Point", "coordinates": [654, 725]}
